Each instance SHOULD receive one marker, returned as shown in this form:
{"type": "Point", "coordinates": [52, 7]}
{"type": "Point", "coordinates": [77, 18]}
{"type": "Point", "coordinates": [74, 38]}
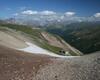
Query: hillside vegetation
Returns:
{"type": "Point", "coordinates": [85, 36]}
{"type": "Point", "coordinates": [43, 39]}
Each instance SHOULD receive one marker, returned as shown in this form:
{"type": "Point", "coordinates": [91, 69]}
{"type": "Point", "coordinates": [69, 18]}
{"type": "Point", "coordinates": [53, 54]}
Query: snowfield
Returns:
{"type": "Point", "coordinates": [32, 48]}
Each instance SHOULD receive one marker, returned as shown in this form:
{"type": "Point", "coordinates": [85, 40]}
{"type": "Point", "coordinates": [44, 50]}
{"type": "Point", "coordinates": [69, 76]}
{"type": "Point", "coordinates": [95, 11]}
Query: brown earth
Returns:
{"type": "Point", "coordinates": [17, 65]}
{"type": "Point", "coordinates": [79, 68]}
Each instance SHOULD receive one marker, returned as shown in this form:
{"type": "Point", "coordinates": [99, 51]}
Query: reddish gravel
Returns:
{"type": "Point", "coordinates": [17, 65]}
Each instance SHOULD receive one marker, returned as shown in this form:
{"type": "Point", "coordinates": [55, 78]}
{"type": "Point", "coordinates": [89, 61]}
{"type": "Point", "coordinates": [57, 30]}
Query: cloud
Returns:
{"type": "Point", "coordinates": [47, 12]}
{"type": "Point", "coordinates": [70, 13]}
{"type": "Point", "coordinates": [97, 15]}
{"type": "Point", "coordinates": [29, 12]}
{"type": "Point", "coordinates": [46, 15]}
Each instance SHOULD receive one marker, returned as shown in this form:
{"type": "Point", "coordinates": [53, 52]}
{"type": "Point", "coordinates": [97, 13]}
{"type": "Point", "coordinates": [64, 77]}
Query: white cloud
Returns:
{"type": "Point", "coordinates": [70, 13]}
{"type": "Point", "coordinates": [47, 13]}
{"type": "Point", "coordinates": [97, 15]}
{"type": "Point", "coordinates": [29, 12]}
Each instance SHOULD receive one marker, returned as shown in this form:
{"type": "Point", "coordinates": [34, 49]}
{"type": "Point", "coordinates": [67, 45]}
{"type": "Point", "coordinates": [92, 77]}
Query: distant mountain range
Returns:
{"type": "Point", "coordinates": [43, 20]}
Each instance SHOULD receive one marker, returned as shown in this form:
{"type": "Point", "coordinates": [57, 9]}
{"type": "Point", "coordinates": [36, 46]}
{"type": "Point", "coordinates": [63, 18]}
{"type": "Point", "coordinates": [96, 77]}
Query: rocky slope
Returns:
{"type": "Point", "coordinates": [17, 65]}
{"type": "Point", "coordinates": [79, 68]}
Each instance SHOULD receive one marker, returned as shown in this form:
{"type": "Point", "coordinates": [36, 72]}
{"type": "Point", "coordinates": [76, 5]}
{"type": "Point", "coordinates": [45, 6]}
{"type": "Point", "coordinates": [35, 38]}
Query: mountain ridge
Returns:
{"type": "Point", "coordinates": [41, 38]}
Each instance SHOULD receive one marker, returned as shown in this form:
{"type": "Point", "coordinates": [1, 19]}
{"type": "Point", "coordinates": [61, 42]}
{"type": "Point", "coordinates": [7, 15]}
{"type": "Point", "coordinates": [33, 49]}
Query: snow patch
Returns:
{"type": "Point", "coordinates": [32, 48]}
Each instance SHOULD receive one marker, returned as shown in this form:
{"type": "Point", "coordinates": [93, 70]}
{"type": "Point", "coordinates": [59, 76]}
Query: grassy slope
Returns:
{"type": "Point", "coordinates": [35, 34]}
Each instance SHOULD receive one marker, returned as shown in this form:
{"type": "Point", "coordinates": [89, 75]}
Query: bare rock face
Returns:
{"type": "Point", "coordinates": [17, 65]}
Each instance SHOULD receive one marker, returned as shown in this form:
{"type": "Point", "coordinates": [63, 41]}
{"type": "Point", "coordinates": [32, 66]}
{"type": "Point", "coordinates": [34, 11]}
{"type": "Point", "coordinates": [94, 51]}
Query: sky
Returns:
{"type": "Point", "coordinates": [80, 7]}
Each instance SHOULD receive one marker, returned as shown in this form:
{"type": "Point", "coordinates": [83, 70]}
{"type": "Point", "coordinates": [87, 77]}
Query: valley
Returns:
{"type": "Point", "coordinates": [84, 36]}
{"type": "Point", "coordinates": [16, 36]}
